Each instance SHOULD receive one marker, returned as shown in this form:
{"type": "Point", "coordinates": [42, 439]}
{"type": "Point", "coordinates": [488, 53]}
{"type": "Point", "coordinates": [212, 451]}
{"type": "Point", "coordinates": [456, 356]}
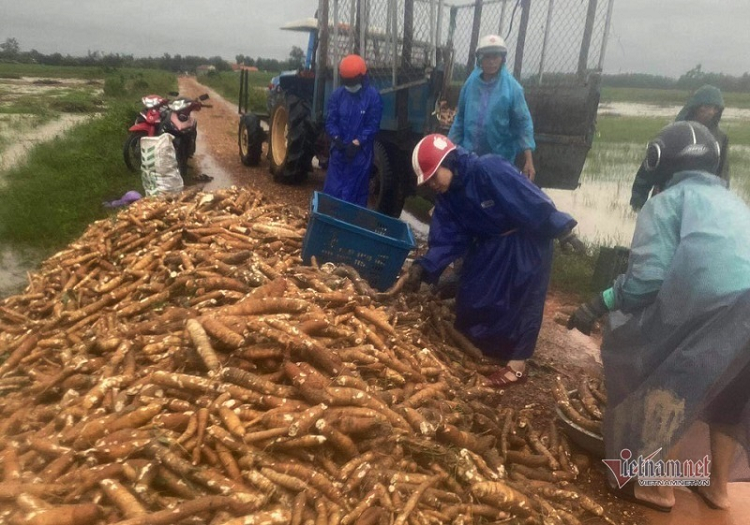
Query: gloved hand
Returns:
{"type": "Point", "coordinates": [351, 150]}
{"type": "Point", "coordinates": [414, 278]}
{"type": "Point", "coordinates": [587, 314]}
{"type": "Point", "coordinates": [337, 143]}
{"type": "Point", "coordinates": [571, 242]}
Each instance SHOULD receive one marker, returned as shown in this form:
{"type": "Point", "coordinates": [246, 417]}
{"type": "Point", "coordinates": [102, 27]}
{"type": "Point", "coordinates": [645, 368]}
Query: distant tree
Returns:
{"type": "Point", "coordinates": [219, 63]}
{"type": "Point", "coordinates": [239, 59]}
{"type": "Point", "coordinates": [10, 48]}
{"type": "Point", "coordinates": [296, 57]}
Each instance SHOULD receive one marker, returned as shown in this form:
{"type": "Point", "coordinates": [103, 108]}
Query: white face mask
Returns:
{"type": "Point", "coordinates": [354, 88]}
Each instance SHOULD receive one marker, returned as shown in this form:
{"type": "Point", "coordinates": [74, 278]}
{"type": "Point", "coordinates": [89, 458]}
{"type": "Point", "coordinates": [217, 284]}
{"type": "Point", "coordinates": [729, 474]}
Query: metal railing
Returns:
{"type": "Point", "coordinates": [549, 41]}
{"type": "Point", "coordinates": [397, 38]}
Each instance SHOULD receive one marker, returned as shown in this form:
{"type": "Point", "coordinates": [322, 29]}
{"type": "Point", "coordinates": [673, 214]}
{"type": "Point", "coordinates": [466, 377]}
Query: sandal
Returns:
{"type": "Point", "coordinates": [499, 378]}
{"type": "Point", "coordinates": [202, 178]}
{"type": "Point", "coordinates": [627, 493]}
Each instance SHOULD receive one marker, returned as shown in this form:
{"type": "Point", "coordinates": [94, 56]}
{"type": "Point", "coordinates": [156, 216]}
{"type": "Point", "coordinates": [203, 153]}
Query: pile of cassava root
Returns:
{"type": "Point", "coordinates": [178, 364]}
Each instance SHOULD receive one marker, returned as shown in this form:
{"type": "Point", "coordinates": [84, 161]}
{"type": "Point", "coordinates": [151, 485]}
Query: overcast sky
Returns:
{"type": "Point", "coordinates": [666, 37]}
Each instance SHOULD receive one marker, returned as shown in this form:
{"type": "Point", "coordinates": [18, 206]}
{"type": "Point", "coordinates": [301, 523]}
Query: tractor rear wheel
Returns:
{"type": "Point", "coordinates": [387, 193]}
{"type": "Point", "coordinates": [291, 140]}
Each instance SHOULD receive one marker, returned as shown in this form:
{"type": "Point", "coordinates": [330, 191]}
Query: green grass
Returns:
{"type": "Point", "coordinates": [667, 97]}
{"type": "Point", "coordinates": [573, 273]}
{"type": "Point", "coordinates": [227, 84]}
{"type": "Point", "coordinates": [638, 130]}
{"type": "Point", "coordinates": [51, 199]}
{"type": "Point", "coordinates": [738, 132]}
{"type": "Point", "coordinates": [9, 70]}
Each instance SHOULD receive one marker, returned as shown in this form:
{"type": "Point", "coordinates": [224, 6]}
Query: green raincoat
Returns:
{"type": "Point", "coordinates": [705, 96]}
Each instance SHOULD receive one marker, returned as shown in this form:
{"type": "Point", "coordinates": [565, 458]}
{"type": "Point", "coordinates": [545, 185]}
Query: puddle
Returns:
{"type": "Point", "coordinates": [419, 229]}
{"type": "Point", "coordinates": [18, 134]}
{"type": "Point", "coordinates": [631, 109]}
{"type": "Point", "coordinates": [23, 141]}
{"type": "Point", "coordinates": [24, 86]}
{"type": "Point", "coordinates": [13, 268]}
{"type": "Point", "coordinates": [204, 162]}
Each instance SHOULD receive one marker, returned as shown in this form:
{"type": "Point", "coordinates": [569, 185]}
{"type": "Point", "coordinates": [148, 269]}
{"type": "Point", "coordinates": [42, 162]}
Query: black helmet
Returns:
{"type": "Point", "coordinates": [680, 146]}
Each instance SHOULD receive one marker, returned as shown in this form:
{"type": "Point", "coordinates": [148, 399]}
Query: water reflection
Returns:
{"type": "Point", "coordinates": [601, 204]}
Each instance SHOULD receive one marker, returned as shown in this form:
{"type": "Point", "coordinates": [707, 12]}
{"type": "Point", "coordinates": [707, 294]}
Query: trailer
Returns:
{"type": "Point", "coordinates": [419, 53]}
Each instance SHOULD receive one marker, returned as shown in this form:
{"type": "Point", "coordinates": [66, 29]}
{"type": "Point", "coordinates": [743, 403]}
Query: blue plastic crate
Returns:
{"type": "Point", "coordinates": [374, 244]}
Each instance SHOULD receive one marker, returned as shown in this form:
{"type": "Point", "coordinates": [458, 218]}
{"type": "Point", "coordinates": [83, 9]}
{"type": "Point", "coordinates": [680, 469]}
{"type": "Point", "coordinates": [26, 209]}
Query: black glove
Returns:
{"type": "Point", "coordinates": [337, 143]}
{"type": "Point", "coordinates": [414, 278]}
{"type": "Point", "coordinates": [351, 150]}
{"type": "Point", "coordinates": [587, 314]}
{"type": "Point", "coordinates": [571, 242]}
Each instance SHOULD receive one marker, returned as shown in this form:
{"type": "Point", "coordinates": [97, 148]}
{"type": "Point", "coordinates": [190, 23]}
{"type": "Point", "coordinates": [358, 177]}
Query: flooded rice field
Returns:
{"type": "Point", "coordinates": [632, 109]}
{"type": "Point", "coordinates": [601, 204]}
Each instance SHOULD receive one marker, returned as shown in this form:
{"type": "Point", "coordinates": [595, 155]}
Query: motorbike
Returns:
{"type": "Point", "coordinates": [181, 124]}
{"type": "Point", "coordinates": [146, 125]}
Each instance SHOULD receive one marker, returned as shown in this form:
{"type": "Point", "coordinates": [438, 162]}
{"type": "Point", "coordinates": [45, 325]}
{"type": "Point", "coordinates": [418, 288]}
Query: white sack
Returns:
{"type": "Point", "coordinates": [159, 171]}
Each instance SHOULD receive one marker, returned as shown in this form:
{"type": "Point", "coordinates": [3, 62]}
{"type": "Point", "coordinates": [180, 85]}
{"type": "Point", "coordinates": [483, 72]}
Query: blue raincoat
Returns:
{"type": "Point", "coordinates": [352, 116]}
{"type": "Point", "coordinates": [503, 225]}
{"type": "Point", "coordinates": [680, 329]}
{"type": "Point", "coordinates": [492, 117]}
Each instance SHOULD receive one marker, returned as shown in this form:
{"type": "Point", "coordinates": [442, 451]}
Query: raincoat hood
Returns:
{"type": "Point", "coordinates": [704, 96]}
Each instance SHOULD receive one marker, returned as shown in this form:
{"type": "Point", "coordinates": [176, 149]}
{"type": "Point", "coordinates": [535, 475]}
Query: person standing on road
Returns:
{"type": "Point", "coordinates": [354, 112]}
{"type": "Point", "coordinates": [676, 345]}
{"type": "Point", "coordinates": [705, 106]}
{"type": "Point", "coordinates": [492, 115]}
{"type": "Point", "coordinates": [503, 225]}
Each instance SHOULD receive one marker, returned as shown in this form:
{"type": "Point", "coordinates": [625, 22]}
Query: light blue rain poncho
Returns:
{"type": "Point", "coordinates": [679, 331]}
{"type": "Point", "coordinates": [492, 117]}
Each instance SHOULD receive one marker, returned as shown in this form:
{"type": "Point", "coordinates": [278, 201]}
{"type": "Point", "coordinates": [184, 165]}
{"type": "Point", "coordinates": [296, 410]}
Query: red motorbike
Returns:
{"type": "Point", "coordinates": [146, 124]}
{"type": "Point", "coordinates": [181, 124]}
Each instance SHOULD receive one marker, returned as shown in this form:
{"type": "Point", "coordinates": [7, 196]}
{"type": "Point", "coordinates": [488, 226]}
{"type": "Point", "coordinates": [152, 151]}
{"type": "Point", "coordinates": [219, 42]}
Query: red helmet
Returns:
{"type": "Point", "coordinates": [429, 154]}
{"type": "Point", "coordinates": [352, 66]}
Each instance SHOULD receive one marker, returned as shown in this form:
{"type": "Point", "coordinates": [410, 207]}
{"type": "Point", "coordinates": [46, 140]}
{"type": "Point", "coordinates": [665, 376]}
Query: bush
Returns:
{"type": "Point", "coordinates": [114, 86]}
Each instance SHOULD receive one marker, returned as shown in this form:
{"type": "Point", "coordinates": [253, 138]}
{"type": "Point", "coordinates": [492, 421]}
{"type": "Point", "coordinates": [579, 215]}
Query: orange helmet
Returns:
{"type": "Point", "coordinates": [352, 66]}
{"type": "Point", "coordinates": [429, 153]}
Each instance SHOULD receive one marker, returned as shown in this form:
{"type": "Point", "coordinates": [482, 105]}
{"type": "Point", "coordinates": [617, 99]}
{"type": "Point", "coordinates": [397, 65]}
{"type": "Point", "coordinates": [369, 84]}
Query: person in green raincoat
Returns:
{"type": "Point", "coordinates": [705, 106]}
{"type": "Point", "coordinates": [676, 342]}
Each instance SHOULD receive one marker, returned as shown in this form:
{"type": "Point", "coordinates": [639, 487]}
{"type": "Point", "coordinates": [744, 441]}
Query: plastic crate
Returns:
{"type": "Point", "coordinates": [372, 243]}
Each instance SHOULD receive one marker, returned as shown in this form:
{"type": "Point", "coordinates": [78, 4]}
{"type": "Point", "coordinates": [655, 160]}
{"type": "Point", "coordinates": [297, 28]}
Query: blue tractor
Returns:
{"type": "Point", "coordinates": [418, 53]}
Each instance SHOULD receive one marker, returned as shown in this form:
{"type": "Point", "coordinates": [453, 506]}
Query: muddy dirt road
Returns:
{"type": "Point", "coordinates": [559, 352]}
{"type": "Point", "coordinates": [217, 152]}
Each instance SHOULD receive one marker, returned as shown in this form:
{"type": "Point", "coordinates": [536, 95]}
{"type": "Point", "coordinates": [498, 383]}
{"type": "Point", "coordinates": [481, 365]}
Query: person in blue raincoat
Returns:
{"type": "Point", "coordinates": [354, 112]}
{"type": "Point", "coordinates": [492, 115]}
{"type": "Point", "coordinates": [503, 225]}
{"type": "Point", "coordinates": [676, 345]}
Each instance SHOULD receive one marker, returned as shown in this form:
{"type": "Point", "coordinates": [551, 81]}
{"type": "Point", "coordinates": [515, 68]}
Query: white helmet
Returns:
{"type": "Point", "coordinates": [491, 44]}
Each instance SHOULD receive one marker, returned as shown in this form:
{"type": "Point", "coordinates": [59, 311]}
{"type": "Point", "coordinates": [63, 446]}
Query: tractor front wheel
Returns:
{"type": "Point", "coordinates": [250, 138]}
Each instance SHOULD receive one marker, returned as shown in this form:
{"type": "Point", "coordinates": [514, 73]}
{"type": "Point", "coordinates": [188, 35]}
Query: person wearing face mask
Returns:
{"type": "Point", "coordinates": [503, 226]}
{"type": "Point", "coordinates": [492, 115]}
{"type": "Point", "coordinates": [353, 120]}
{"type": "Point", "coordinates": [704, 106]}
